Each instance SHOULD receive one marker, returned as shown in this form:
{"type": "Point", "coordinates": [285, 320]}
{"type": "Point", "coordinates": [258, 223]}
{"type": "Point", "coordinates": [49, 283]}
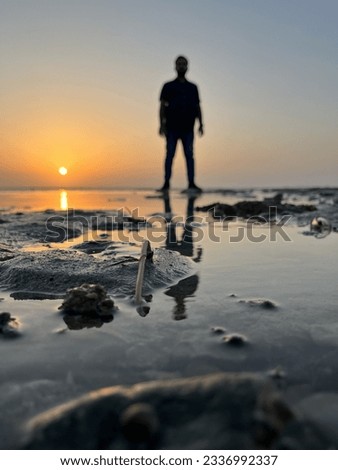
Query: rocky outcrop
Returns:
{"type": "Point", "coordinates": [218, 411]}
{"type": "Point", "coordinates": [253, 208]}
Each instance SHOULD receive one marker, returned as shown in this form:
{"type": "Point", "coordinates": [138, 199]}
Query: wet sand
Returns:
{"type": "Point", "coordinates": [239, 298]}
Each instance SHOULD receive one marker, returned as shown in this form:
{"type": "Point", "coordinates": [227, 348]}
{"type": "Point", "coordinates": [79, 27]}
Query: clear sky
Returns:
{"type": "Point", "coordinates": [80, 83]}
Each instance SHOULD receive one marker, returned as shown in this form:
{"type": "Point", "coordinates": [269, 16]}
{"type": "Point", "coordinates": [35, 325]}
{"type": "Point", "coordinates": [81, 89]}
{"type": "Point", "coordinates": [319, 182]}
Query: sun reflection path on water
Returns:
{"type": "Point", "coordinates": [63, 200]}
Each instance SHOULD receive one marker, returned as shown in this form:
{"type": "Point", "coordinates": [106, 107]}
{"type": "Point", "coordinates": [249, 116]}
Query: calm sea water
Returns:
{"type": "Point", "coordinates": [50, 364]}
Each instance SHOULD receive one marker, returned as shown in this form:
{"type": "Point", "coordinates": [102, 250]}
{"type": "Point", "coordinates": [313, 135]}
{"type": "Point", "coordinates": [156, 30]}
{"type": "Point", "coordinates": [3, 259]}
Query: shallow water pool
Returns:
{"type": "Point", "coordinates": [278, 295]}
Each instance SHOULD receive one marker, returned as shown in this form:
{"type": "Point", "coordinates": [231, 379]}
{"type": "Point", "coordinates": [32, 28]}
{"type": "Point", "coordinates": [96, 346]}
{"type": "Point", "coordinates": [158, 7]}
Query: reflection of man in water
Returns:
{"type": "Point", "coordinates": [179, 109]}
{"type": "Point", "coordinates": [186, 287]}
{"type": "Point", "coordinates": [185, 245]}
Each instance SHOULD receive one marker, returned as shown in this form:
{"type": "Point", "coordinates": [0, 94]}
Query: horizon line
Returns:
{"type": "Point", "coordinates": [150, 188]}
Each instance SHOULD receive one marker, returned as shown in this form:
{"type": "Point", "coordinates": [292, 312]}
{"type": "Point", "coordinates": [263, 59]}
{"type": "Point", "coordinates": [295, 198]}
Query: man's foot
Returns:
{"type": "Point", "coordinates": [164, 188]}
{"type": "Point", "coordinates": [192, 188]}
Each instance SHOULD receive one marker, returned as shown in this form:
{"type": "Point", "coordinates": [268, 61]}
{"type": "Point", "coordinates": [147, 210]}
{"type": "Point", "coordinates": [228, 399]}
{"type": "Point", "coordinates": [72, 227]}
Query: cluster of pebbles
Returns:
{"type": "Point", "coordinates": [87, 299]}
{"type": "Point", "coordinates": [87, 306]}
{"type": "Point", "coordinates": [238, 339]}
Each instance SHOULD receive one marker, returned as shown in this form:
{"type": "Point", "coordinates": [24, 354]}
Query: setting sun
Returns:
{"type": "Point", "coordinates": [63, 171]}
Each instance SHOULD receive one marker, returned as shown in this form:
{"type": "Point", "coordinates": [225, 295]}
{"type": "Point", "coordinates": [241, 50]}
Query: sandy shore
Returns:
{"type": "Point", "coordinates": [242, 283]}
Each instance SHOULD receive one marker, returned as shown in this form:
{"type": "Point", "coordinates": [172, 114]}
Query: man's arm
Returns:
{"type": "Point", "coordinates": [163, 119]}
{"type": "Point", "coordinates": [200, 120]}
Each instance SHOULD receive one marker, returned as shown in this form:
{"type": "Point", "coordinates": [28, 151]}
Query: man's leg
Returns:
{"type": "Point", "coordinates": [172, 138]}
{"type": "Point", "coordinates": [188, 147]}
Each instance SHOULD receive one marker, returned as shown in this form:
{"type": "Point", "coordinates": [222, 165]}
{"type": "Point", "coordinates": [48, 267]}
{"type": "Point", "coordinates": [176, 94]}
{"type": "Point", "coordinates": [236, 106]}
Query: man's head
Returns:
{"type": "Point", "coordinates": [181, 65]}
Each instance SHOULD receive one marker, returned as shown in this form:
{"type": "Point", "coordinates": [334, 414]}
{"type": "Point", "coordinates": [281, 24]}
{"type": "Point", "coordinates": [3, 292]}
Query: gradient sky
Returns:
{"type": "Point", "coordinates": [80, 83]}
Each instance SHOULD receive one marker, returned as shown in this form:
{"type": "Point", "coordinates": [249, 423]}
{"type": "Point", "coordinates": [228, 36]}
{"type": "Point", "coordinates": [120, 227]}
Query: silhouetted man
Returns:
{"type": "Point", "coordinates": [180, 107]}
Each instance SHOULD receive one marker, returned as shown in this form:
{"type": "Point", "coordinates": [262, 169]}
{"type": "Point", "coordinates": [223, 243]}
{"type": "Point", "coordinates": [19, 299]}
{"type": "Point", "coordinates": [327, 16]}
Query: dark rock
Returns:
{"type": "Point", "coordinates": [207, 208]}
{"type": "Point", "coordinates": [263, 303]}
{"type": "Point", "coordinates": [276, 200]}
{"type": "Point", "coordinates": [235, 339]}
{"type": "Point", "coordinates": [87, 300]}
{"type": "Point", "coordinates": [249, 208]}
{"type": "Point", "coordinates": [218, 330]}
{"type": "Point", "coordinates": [224, 211]}
{"type": "Point", "coordinates": [218, 411]}
{"type": "Point", "coordinates": [87, 306]}
{"type": "Point", "coordinates": [219, 210]}
{"type": "Point", "coordinates": [9, 326]}
{"type": "Point", "coordinates": [298, 209]}
{"type": "Point", "coordinates": [5, 317]}
{"type": "Point", "coordinates": [253, 208]}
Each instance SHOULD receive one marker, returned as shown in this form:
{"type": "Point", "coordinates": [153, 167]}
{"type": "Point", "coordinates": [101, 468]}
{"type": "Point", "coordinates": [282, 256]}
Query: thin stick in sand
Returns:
{"type": "Point", "coordinates": [146, 253]}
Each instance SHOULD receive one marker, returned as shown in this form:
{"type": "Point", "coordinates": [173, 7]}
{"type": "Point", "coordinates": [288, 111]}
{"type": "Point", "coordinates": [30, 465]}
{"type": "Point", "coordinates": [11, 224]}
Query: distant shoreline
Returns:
{"type": "Point", "coordinates": [205, 190]}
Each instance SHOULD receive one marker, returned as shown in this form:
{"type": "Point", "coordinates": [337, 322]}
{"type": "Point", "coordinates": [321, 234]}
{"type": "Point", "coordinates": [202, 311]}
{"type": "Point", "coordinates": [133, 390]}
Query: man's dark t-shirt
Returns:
{"type": "Point", "coordinates": [183, 100]}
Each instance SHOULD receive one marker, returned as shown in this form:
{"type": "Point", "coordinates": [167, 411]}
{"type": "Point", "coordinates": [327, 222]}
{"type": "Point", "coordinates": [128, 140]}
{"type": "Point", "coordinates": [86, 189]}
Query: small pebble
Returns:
{"type": "Point", "coordinates": [218, 330]}
{"type": "Point", "coordinates": [61, 331]}
{"type": "Point", "coordinates": [321, 226]}
{"type": "Point", "coordinates": [277, 373]}
{"type": "Point", "coordinates": [235, 339]}
{"type": "Point", "coordinates": [263, 303]}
